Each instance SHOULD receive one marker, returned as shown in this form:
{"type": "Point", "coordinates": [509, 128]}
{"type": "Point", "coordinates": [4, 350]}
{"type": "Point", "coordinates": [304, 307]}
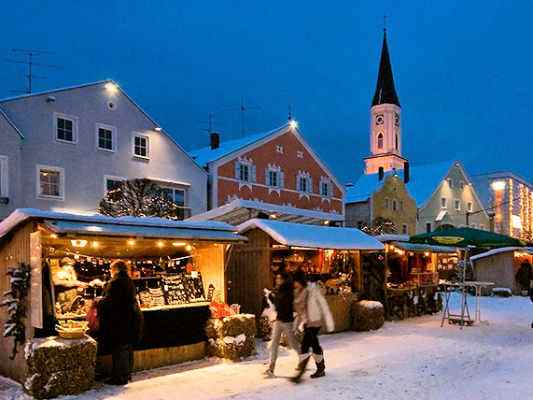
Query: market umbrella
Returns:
{"type": "Point", "coordinates": [462, 237]}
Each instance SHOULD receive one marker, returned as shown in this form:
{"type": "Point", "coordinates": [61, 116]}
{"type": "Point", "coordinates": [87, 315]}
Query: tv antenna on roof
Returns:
{"type": "Point", "coordinates": [243, 109]}
{"type": "Point", "coordinates": [29, 55]}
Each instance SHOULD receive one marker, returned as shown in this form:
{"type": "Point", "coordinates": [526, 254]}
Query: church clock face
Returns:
{"type": "Point", "coordinates": [396, 119]}
{"type": "Point", "coordinates": [380, 119]}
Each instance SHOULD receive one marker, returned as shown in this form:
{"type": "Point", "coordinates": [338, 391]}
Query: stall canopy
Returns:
{"type": "Point", "coordinates": [422, 248]}
{"type": "Point", "coordinates": [147, 227]}
{"type": "Point", "coordinates": [462, 237]}
{"type": "Point", "coordinates": [528, 250]}
{"type": "Point", "coordinates": [313, 236]}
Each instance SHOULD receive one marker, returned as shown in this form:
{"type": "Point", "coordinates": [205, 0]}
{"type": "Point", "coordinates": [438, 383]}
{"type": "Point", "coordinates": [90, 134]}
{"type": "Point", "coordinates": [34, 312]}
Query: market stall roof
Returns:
{"type": "Point", "coordinates": [501, 250]}
{"type": "Point", "coordinates": [313, 236]}
{"type": "Point", "coordinates": [463, 237]}
{"type": "Point", "coordinates": [422, 248]}
{"type": "Point", "coordinates": [392, 237]}
{"type": "Point", "coordinates": [239, 210]}
{"type": "Point", "coordinates": [122, 226]}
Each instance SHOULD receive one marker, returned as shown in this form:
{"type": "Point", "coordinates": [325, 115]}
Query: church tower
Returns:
{"type": "Point", "coordinates": [385, 129]}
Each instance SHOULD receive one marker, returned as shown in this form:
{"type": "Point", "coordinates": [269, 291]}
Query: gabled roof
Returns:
{"type": "Point", "coordinates": [424, 180]}
{"type": "Point", "coordinates": [385, 90]}
{"type": "Point", "coordinates": [205, 155]}
{"type": "Point", "coordinates": [11, 123]}
{"type": "Point", "coordinates": [313, 236]}
{"type": "Point", "coordinates": [102, 82]}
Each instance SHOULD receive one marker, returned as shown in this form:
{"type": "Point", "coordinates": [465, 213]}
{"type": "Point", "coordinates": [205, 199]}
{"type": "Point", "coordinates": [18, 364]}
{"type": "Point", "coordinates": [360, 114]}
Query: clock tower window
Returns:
{"type": "Point", "coordinates": [380, 141]}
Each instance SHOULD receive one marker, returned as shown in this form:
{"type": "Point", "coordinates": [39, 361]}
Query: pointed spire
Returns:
{"type": "Point", "coordinates": [385, 90]}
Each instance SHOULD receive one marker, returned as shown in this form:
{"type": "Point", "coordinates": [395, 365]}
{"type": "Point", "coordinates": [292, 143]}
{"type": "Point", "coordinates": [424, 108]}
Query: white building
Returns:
{"type": "Point", "coordinates": [63, 149]}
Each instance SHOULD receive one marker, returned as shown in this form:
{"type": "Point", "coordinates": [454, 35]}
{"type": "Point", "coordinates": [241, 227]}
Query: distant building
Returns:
{"type": "Point", "coordinates": [64, 149]}
{"type": "Point", "coordinates": [387, 199]}
{"type": "Point", "coordinates": [443, 193]}
{"type": "Point", "coordinates": [274, 174]}
{"type": "Point", "coordinates": [509, 199]}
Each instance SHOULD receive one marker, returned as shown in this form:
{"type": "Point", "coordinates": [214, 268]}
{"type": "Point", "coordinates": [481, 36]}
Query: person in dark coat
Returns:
{"type": "Point", "coordinates": [122, 321]}
{"type": "Point", "coordinates": [283, 298]}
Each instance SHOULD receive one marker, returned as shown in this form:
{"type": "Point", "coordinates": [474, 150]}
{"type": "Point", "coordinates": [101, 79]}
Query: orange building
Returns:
{"type": "Point", "coordinates": [276, 174]}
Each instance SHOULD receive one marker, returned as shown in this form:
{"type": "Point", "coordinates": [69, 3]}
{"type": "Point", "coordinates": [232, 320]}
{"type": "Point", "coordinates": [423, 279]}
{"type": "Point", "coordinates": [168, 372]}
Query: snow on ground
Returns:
{"type": "Point", "coordinates": [410, 359]}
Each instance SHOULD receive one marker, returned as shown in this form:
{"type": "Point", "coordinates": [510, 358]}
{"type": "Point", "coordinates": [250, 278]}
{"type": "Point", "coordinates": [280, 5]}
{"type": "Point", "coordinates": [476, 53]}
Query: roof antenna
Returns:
{"type": "Point", "coordinates": [385, 23]}
{"type": "Point", "coordinates": [29, 55]}
{"type": "Point", "coordinates": [290, 112]}
{"type": "Point", "coordinates": [243, 108]}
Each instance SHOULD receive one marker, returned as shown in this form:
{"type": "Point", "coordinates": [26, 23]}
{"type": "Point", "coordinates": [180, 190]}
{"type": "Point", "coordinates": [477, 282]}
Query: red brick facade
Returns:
{"type": "Point", "coordinates": [291, 157]}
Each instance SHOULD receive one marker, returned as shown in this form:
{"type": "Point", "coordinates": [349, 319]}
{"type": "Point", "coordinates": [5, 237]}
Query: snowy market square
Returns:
{"type": "Point", "coordinates": [403, 360]}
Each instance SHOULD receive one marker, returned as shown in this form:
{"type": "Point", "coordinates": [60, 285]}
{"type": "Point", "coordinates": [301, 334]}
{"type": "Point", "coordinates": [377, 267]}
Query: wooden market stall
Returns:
{"type": "Point", "coordinates": [330, 253]}
{"type": "Point", "coordinates": [412, 277]}
{"type": "Point", "coordinates": [177, 267]}
{"type": "Point", "coordinates": [501, 266]}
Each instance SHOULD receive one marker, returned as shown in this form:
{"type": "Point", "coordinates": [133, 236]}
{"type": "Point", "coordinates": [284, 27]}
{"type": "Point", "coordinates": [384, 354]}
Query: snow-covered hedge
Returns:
{"type": "Point", "coordinates": [367, 315]}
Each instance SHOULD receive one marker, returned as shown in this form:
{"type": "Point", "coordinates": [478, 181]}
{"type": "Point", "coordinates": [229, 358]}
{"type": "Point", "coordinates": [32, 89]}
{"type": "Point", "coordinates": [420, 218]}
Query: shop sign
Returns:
{"type": "Point", "coordinates": [448, 239]}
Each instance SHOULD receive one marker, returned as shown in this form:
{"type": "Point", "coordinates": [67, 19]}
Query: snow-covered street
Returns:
{"type": "Point", "coordinates": [404, 360]}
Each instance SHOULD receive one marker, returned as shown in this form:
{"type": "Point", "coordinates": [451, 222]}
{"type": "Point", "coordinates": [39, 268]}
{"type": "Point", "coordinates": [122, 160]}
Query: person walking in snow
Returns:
{"type": "Point", "coordinates": [283, 298]}
{"type": "Point", "coordinates": [313, 313]}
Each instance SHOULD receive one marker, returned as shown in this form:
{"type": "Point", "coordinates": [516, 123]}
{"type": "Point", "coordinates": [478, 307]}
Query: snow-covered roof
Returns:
{"type": "Point", "coordinates": [267, 208]}
{"type": "Point", "coordinates": [206, 155]}
{"type": "Point", "coordinates": [424, 180]}
{"type": "Point", "coordinates": [392, 237]}
{"type": "Point", "coordinates": [128, 225]}
{"type": "Point", "coordinates": [500, 251]}
{"type": "Point", "coordinates": [313, 236]}
{"type": "Point", "coordinates": [422, 248]}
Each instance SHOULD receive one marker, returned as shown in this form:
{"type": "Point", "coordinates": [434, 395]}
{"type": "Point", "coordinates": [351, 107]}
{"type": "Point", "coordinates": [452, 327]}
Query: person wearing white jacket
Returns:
{"type": "Point", "coordinates": [313, 313]}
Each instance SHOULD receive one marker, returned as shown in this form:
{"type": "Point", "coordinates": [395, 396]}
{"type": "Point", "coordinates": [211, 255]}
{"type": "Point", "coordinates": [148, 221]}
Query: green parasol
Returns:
{"type": "Point", "coordinates": [462, 237]}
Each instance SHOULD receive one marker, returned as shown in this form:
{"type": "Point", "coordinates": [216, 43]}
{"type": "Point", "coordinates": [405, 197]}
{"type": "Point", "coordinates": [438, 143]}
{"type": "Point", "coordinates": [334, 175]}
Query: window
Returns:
{"type": "Point", "coordinates": [443, 202]}
{"type": "Point", "coordinates": [457, 204]}
{"type": "Point", "coordinates": [112, 182]}
{"type": "Point", "coordinates": [401, 205]}
{"type": "Point", "coordinates": [450, 182]}
{"type": "Point", "coordinates": [469, 206]}
{"type": "Point", "coordinates": [141, 146]}
{"type": "Point", "coordinates": [279, 149]}
{"type": "Point", "coordinates": [175, 195]}
{"type": "Point", "coordinates": [50, 182]}
{"type": "Point", "coordinates": [428, 227]}
{"type": "Point", "coordinates": [326, 188]}
{"type": "Point", "coordinates": [396, 142]}
{"type": "Point", "coordinates": [404, 229]}
{"type": "Point", "coordinates": [387, 203]}
{"type": "Point", "coordinates": [65, 128]}
{"type": "Point", "coordinates": [380, 141]}
{"type": "Point", "coordinates": [394, 205]}
{"type": "Point", "coordinates": [244, 171]}
{"type": "Point", "coordinates": [273, 178]}
{"type": "Point", "coordinates": [299, 154]}
{"type": "Point", "coordinates": [462, 185]}
{"type": "Point", "coordinates": [303, 182]}
{"type": "Point", "coordinates": [106, 137]}
{"type": "Point", "coordinates": [4, 177]}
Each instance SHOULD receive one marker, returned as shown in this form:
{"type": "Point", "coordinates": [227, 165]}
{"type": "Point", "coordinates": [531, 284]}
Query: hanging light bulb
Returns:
{"type": "Point", "coordinates": [78, 243]}
{"type": "Point", "coordinates": [188, 247]}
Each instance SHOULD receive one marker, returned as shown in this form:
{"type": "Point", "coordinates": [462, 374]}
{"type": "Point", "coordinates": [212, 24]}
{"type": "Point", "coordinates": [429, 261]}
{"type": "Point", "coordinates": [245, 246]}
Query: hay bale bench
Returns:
{"type": "Point", "coordinates": [367, 315]}
{"type": "Point", "coordinates": [231, 337]}
{"type": "Point", "coordinates": [59, 367]}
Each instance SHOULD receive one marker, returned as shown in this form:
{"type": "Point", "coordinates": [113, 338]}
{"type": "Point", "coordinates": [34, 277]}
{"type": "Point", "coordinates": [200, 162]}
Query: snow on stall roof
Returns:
{"type": "Point", "coordinates": [266, 207]}
{"type": "Point", "coordinates": [313, 236]}
{"type": "Point", "coordinates": [392, 237]}
{"type": "Point", "coordinates": [205, 155]}
{"type": "Point", "coordinates": [501, 250]}
{"type": "Point", "coordinates": [22, 214]}
{"type": "Point", "coordinates": [423, 181]}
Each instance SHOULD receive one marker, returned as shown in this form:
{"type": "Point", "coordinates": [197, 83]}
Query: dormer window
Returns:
{"type": "Point", "coordinates": [380, 141]}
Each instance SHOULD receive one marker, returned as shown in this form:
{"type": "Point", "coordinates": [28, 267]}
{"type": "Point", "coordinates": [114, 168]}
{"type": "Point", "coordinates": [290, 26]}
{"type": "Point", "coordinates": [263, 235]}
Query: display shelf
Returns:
{"type": "Point", "coordinates": [173, 307]}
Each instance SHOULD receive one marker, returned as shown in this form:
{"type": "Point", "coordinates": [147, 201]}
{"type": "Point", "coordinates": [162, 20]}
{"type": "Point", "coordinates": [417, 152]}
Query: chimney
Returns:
{"type": "Point", "coordinates": [214, 140]}
{"type": "Point", "coordinates": [406, 172]}
{"type": "Point", "coordinates": [381, 173]}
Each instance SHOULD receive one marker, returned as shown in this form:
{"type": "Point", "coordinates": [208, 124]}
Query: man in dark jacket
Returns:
{"type": "Point", "coordinates": [283, 299]}
{"type": "Point", "coordinates": [122, 321]}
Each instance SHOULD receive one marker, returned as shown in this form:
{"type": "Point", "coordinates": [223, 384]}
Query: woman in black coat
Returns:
{"type": "Point", "coordinates": [121, 322]}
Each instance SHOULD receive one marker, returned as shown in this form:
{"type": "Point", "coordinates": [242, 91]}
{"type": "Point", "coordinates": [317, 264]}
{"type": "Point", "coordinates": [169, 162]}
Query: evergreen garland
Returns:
{"type": "Point", "coordinates": [15, 301]}
{"type": "Point", "coordinates": [139, 198]}
{"type": "Point", "coordinates": [380, 226]}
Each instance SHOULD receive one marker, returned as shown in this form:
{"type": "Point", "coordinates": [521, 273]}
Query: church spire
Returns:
{"type": "Point", "coordinates": [385, 90]}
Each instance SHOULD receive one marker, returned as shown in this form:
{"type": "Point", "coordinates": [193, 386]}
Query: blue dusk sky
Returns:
{"type": "Point", "coordinates": [462, 69]}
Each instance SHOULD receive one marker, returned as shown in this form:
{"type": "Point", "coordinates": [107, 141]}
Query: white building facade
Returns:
{"type": "Point", "coordinates": [63, 149]}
